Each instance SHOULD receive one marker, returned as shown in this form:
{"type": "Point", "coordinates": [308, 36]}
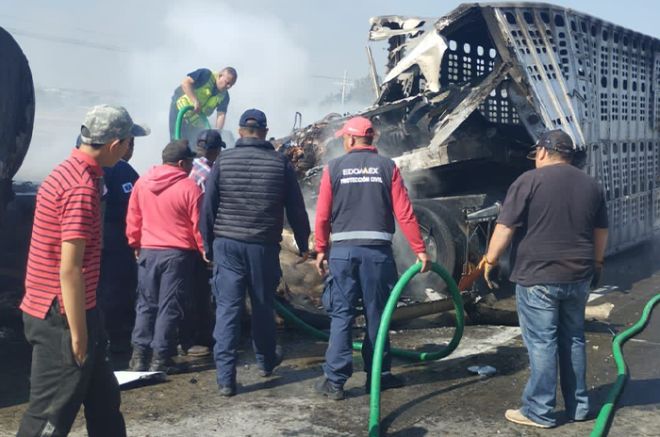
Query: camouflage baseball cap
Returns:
{"type": "Point", "coordinates": [104, 123]}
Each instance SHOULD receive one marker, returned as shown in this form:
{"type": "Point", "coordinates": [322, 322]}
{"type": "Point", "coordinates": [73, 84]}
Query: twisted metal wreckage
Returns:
{"type": "Point", "coordinates": [463, 99]}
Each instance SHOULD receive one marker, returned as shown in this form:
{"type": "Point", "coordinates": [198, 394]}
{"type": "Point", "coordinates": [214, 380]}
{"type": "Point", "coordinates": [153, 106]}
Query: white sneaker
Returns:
{"type": "Point", "coordinates": [516, 416]}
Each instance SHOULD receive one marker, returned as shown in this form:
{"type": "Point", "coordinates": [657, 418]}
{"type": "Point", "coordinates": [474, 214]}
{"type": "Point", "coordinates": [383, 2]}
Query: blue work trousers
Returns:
{"type": "Point", "coordinates": [116, 293]}
{"type": "Point", "coordinates": [366, 272]}
{"type": "Point", "coordinates": [197, 324]}
{"type": "Point", "coordinates": [552, 323]}
{"type": "Point", "coordinates": [164, 280]}
{"type": "Point", "coordinates": [239, 267]}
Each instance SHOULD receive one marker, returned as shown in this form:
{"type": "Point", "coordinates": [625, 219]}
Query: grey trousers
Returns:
{"type": "Point", "coordinates": [58, 386]}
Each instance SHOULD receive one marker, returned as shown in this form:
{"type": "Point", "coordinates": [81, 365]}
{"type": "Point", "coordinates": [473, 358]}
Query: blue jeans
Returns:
{"type": "Point", "coordinates": [366, 272]}
{"type": "Point", "coordinates": [552, 323]}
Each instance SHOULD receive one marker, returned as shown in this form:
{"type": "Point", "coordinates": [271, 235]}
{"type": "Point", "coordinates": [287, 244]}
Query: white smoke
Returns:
{"type": "Point", "coordinates": [273, 75]}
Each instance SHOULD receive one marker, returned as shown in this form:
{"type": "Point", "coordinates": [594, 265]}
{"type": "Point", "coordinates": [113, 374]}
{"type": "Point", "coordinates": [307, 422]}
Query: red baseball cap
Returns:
{"type": "Point", "coordinates": [356, 126]}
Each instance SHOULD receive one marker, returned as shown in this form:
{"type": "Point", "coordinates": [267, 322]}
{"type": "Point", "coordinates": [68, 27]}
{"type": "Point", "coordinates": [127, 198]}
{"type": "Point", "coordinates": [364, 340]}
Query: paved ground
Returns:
{"type": "Point", "coordinates": [440, 398]}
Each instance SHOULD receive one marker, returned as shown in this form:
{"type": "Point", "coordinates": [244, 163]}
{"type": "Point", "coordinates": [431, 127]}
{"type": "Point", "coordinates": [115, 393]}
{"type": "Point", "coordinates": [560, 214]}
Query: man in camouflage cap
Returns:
{"type": "Point", "coordinates": [60, 316]}
{"type": "Point", "coordinates": [104, 123]}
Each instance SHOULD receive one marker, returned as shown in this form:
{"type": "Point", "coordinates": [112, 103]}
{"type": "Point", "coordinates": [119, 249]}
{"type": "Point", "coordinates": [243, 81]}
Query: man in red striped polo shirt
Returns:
{"type": "Point", "coordinates": [60, 317]}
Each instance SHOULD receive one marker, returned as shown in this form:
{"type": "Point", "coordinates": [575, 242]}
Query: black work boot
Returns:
{"type": "Point", "coordinates": [164, 364]}
{"type": "Point", "coordinates": [139, 360]}
{"type": "Point", "coordinates": [387, 381]}
{"type": "Point", "coordinates": [279, 356]}
{"type": "Point", "coordinates": [227, 390]}
{"type": "Point", "coordinates": [326, 388]}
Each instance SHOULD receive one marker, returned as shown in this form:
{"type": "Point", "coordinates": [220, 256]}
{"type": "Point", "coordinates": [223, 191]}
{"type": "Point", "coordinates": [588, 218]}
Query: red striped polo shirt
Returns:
{"type": "Point", "coordinates": [68, 207]}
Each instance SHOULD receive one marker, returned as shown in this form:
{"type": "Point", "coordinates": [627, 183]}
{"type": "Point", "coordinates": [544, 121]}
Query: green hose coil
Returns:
{"type": "Point", "coordinates": [606, 411]}
{"type": "Point", "coordinates": [291, 318]}
{"type": "Point", "coordinates": [374, 411]}
{"type": "Point", "coordinates": [603, 419]}
{"type": "Point", "coordinates": [374, 416]}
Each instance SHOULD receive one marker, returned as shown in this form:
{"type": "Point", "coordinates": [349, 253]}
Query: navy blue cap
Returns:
{"type": "Point", "coordinates": [253, 118]}
{"type": "Point", "coordinates": [210, 139]}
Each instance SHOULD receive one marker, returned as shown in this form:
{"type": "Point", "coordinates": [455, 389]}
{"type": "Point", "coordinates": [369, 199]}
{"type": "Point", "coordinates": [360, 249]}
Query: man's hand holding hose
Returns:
{"type": "Point", "coordinates": [425, 259]}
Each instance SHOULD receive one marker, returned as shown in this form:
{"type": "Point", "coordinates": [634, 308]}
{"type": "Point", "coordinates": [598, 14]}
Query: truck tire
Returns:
{"type": "Point", "coordinates": [16, 113]}
{"type": "Point", "coordinates": [440, 245]}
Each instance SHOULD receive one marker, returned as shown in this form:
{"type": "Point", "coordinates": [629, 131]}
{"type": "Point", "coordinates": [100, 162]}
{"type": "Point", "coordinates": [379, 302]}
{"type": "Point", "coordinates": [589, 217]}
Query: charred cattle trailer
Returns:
{"type": "Point", "coordinates": [464, 97]}
{"type": "Point", "coordinates": [516, 70]}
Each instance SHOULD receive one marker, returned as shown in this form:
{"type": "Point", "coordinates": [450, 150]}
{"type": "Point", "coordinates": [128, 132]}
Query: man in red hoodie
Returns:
{"type": "Point", "coordinates": [162, 226]}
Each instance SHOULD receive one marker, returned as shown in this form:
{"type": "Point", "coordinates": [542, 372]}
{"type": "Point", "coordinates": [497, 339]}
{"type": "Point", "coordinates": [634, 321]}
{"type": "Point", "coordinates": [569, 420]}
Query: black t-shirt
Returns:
{"type": "Point", "coordinates": [554, 211]}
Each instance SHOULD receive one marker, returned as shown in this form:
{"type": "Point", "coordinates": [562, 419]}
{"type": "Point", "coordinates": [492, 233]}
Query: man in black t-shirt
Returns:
{"type": "Point", "coordinates": [556, 218]}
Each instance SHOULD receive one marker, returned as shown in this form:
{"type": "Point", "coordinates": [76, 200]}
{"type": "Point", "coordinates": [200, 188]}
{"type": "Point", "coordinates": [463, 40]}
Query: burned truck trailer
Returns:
{"type": "Point", "coordinates": [465, 96]}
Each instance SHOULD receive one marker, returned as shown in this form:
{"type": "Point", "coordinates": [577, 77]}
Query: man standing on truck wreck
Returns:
{"type": "Point", "coordinates": [62, 323]}
{"type": "Point", "coordinates": [360, 195]}
{"type": "Point", "coordinates": [206, 91]}
{"type": "Point", "coordinates": [556, 217]}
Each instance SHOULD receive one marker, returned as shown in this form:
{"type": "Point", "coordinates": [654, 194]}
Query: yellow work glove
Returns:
{"type": "Point", "coordinates": [489, 272]}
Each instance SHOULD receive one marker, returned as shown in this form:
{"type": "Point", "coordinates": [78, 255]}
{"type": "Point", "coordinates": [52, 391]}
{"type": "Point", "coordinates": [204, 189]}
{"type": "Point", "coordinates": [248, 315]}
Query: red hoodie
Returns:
{"type": "Point", "coordinates": [163, 211]}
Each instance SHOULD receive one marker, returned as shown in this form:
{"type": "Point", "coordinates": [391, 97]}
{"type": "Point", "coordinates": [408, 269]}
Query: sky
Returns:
{"type": "Point", "coordinates": [289, 56]}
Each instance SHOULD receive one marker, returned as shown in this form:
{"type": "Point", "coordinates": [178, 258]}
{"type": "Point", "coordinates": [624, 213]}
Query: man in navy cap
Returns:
{"type": "Point", "coordinates": [242, 230]}
{"type": "Point", "coordinates": [198, 323]}
{"type": "Point", "coordinates": [209, 143]}
{"type": "Point", "coordinates": [556, 217]}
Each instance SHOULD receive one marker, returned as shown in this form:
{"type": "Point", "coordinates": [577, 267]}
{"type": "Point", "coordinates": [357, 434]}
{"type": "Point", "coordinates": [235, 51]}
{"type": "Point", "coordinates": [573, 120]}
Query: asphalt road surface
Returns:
{"type": "Point", "coordinates": [440, 398]}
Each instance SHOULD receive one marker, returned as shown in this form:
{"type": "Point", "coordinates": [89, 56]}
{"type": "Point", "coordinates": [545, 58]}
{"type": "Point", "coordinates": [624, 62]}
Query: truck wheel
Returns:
{"type": "Point", "coordinates": [440, 246]}
{"type": "Point", "coordinates": [16, 113]}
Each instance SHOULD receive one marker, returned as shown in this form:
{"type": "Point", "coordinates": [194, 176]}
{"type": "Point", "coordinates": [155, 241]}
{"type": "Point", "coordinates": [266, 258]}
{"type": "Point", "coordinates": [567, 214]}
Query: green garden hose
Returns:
{"type": "Point", "coordinates": [603, 419]}
{"type": "Point", "coordinates": [291, 318]}
{"type": "Point", "coordinates": [374, 416]}
{"type": "Point", "coordinates": [374, 411]}
{"type": "Point", "coordinates": [288, 315]}
{"type": "Point", "coordinates": [179, 121]}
